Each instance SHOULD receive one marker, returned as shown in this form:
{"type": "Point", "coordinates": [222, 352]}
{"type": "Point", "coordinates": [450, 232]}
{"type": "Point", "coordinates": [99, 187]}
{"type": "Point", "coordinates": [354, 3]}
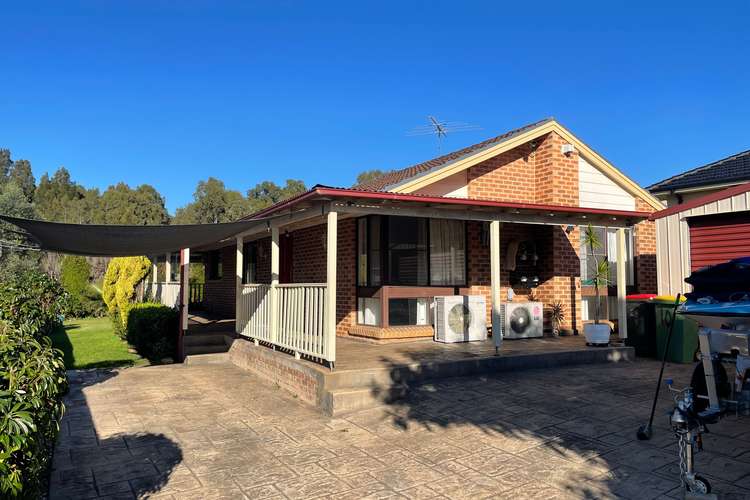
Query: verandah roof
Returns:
{"type": "Point", "coordinates": [113, 241]}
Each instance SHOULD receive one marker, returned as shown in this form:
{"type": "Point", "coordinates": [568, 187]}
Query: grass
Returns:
{"type": "Point", "coordinates": [92, 343]}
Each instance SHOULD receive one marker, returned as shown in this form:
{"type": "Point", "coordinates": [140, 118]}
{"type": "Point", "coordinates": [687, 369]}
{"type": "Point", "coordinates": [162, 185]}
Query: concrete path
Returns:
{"type": "Point", "coordinates": [215, 431]}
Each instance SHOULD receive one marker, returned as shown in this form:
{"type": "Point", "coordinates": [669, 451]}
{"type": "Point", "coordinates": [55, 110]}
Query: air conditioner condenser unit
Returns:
{"type": "Point", "coordinates": [460, 318]}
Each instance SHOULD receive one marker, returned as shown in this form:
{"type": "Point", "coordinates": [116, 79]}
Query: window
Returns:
{"type": "Point", "coordinates": [174, 267]}
{"type": "Point", "coordinates": [407, 251]}
{"type": "Point", "coordinates": [215, 267]}
{"type": "Point", "coordinates": [410, 251]}
{"type": "Point", "coordinates": [447, 252]}
{"type": "Point", "coordinates": [608, 251]}
{"type": "Point", "coordinates": [408, 312]}
{"type": "Point", "coordinates": [250, 263]}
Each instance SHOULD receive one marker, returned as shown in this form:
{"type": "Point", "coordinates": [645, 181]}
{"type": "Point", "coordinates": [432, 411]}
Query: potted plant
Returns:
{"type": "Point", "coordinates": [596, 333]}
{"type": "Point", "coordinates": [557, 316]}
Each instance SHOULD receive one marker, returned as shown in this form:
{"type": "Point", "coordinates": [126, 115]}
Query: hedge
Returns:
{"type": "Point", "coordinates": [32, 302]}
{"type": "Point", "coordinates": [152, 330]}
{"type": "Point", "coordinates": [32, 383]}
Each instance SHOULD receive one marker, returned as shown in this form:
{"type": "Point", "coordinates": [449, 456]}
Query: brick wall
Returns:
{"type": "Point", "coordinates": [645, 251]}
{"type": "Point", "coordinates": [309, 266]}
{"type": "Point", "coordinates": [535, 172]}
{"type": "Point", "coordinates": [220, 294]}
{"type": "Point", "coordinates": [558, 267]}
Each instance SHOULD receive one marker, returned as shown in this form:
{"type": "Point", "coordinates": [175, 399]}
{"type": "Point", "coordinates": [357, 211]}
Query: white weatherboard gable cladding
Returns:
{"type": "Point", "coordinates": [596, 190]}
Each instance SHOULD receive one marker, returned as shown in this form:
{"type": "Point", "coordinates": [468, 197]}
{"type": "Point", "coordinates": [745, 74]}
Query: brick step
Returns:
{"type": "Point", "coordinates": [205, 349]}
{"type": "Point", "coordinates": [204, 339]}
{"type": "Point", "coordinates": [340, 401]}
{"type": "Point", "coordinates": [207, 359]}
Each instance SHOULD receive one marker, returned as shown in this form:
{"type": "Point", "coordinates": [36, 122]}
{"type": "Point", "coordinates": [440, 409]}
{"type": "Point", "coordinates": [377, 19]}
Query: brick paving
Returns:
{"type": "Point", "coordinates": [216, 431]}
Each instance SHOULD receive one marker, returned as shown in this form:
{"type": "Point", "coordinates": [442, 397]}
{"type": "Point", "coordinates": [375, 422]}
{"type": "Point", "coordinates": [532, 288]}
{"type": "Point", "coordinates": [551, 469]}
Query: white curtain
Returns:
{"type": "Point", "coordinates": [447, 252]}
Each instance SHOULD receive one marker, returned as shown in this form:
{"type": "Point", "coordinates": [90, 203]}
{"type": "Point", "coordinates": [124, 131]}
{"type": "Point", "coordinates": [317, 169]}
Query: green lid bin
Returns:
{"type": "Point", "coordinates": [684, 341]}
{"type": "Point", "coordinates": [641, 325]}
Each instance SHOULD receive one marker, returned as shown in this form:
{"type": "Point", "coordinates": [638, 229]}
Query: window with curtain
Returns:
{"type": "Point", "coordinates": [447, 252]}
{"type": "Point", "coordinates": [410, 251]}
{"type": "Point", "coordinates": [608, 250]}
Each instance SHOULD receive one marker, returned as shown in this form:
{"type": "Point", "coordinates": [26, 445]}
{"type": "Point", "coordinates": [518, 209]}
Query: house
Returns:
{"type": "Point", "coordinates": [366, 261]}
{"type": "Point", "coordinates": [704, 180]}
{"type": "Point", "coordinates": [707, 221]}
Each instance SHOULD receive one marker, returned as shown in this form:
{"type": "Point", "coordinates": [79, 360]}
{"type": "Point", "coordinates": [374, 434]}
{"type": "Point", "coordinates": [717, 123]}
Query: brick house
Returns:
{"type": "Point", "coordinates": [377, 253]}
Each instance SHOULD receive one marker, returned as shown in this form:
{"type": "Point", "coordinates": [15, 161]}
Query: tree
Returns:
{"type": "Point", "coordinates": [14, 203]}
{"type": "Point", "coordinates": [20, 174]}
{"type": "Point", "coordinates": [57, 198]}
{"type": "Point", "coordinates": [118, 290]}
{"type": "Point", "coordinates": [5, 164]}
{"type": "Point", "coordinates": [120, 204]}
{"type": "Point", "coordinates": [267, 193]}
{"type": "Point", "coordinates": [369, 175]}
{"type": "Point", "coordinates": [213, 203]}
{"type": "Point", "coordinates": [74, 274]}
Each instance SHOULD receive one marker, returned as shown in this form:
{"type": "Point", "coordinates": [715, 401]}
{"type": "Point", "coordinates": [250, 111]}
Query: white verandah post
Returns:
{"type": "Point", "coordinates": [497, 325]}
{"type": "Point", "coordinates": [274, 292]}
{"type": "Point", "coordinates": [330, 302]}
{"type": "Point", "coordinates": [239, 266]}
{"type": "Point", "coordinates": [184, 299]}
{"type": "Point", "coordinates": [622, 316]}
{"type": "Point", "coordinates": [168, 267]}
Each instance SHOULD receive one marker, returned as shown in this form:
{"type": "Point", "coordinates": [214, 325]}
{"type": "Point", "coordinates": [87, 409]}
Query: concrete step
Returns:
{"type": "Point", "coordinates": [341, 401]}
{"type": "Point", "coordinates": [204, 339]}
{"type": "Point", "coordinates": [205, 349]}
{"type": "Point", "coordinates": [207, 359]}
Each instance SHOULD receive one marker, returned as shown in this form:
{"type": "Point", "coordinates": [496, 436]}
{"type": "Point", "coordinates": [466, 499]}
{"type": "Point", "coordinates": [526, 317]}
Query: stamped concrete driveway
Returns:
{"type": "Point", "coordinates": [216, 431]}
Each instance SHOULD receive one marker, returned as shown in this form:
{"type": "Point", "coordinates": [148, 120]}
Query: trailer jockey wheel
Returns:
{"type": "Point", "coordinates": [699, 484]}
{"type": "Point", "coordinates": [698, 383]}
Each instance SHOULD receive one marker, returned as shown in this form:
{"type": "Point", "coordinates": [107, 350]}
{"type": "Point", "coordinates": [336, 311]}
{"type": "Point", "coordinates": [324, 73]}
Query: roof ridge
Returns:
{"type": "Point", "coordinates": [697, 169]}
{"type": "Point", "coordinates": [394, 177]}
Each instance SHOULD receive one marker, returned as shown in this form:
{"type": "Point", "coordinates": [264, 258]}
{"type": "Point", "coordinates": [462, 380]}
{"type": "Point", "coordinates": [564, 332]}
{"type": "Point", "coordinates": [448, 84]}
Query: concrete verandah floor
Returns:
{"type": "Point", "coordinates": [357, 354]}
{"type": "Point", "coordinates": [216, 431]}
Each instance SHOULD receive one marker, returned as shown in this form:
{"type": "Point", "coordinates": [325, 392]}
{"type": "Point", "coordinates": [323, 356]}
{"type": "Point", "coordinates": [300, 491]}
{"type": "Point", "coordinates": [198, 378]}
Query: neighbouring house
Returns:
{"type": "Point", "coordinates": [709, 225]}
{"type": "Point", "coordinates": [442, 227]}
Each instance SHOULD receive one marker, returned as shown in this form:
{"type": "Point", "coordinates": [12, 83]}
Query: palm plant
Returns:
{"type": "Point", "coordinates": [600, 276]}
{"type": "Point", "coordinates": [557, 316]}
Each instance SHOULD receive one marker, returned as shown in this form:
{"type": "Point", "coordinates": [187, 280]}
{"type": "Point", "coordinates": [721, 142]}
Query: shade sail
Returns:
{"type": "Point", "coordinates": [120, 241]}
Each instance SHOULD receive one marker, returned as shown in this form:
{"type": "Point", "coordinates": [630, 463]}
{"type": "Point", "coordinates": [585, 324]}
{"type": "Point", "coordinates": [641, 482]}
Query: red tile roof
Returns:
{"type": "Point", "coordinates": [398, 176]}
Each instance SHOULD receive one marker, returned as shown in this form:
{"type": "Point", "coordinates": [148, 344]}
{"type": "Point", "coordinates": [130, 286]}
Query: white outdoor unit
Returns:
{"type": "Point", "coordinates": [460, 318]}
{"type": "Point", "coordinates": [523, 320]}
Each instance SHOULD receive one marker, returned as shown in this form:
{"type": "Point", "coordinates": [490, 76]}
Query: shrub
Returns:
{"type": "Point", "coordinates": [118, 290]}
{"type": "Point", "coordinates": [32, 385]}
{"type": "Point", "coordinates": [152, 330]}
{"type": "Point", "coordinates": [32, 302]}
{"type": "Point", "coordinates": [74, 274]}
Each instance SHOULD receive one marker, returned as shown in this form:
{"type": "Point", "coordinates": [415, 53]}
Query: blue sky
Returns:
{"type": "Point", "coordinates": [168, 93]}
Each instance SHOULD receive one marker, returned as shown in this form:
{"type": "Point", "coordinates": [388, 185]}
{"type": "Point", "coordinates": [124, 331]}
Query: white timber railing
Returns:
{"type": "Point", "coordinates": [300, 317]}
{"type": "Point", "coordinates": [167, 293]}
{"type": "Point", "coordinates": [254, 313]}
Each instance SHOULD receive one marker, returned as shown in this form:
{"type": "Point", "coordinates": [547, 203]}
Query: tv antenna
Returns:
{"type": "Point", "coordinates": [440, 129]}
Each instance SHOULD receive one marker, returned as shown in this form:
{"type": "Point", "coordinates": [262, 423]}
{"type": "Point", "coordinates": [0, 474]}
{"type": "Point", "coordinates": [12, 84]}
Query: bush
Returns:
{"type": "Point", "coordinates": [89, 305]}
{"type": "Point", "coordinates": [32, 385]}
{"type": "Point", "coordinates": [74, 274]}
{"type": "Point", "coordinates": [32, 302]}
{"type": "Point", "coordinates": [118, 290]}
{"type": "Point", "coordinates": [152, 330]}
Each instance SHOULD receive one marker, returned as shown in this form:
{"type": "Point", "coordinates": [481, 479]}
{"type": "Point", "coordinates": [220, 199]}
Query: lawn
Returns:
{"type": "Point", "coordinates": [92, 343]}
